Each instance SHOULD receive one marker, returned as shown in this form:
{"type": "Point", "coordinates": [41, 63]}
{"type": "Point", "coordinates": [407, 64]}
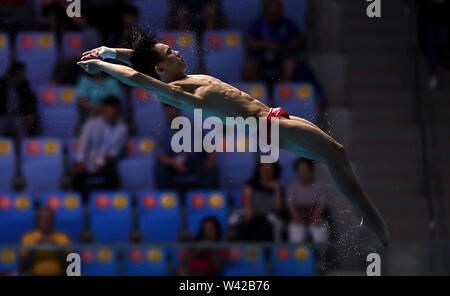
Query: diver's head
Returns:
{"type": "Point", "coordinates": [157, 60]}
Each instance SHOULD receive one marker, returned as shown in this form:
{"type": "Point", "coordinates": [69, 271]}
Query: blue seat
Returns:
{"type": "Point", "coordinates": [148, 113]}
{"type": "Point", "coordinates": [186, 44]}
{"type": "Point", "coordinates": [7, 163]}
{"type": "Point", "coordinates": [286, 160]}
{"type": "Point", "coordinates": [99, 261]}
{"type": "Point", "coordinates": [145, 262]}
{"type": "Point", "coordinates": [68, 212]}
{"type": "Point", "coordinates": [159, 208]}
{"type": "Point", "coordinates": [8, 261]}
{"type": "Point", "coordinates": [58, 110]}
{"type": "Point", "coordinates": [152, 14]}
{"type": "Point", "coordinates": [257, 90]}
{"type": "Point", "coordinates": [16, 217]}
{"type": "Point", "coordinates": [136, 169]}
{"type": "Point", "coordinates": [237, 199]}
{"type": "Point", "coordinates": [204, 203]}
{"type": "Point", "coordinates": [110, 216]}
{"type": "Point", "coordinates": [293, 261]}
{"type": "Point", "coordinates": [5, 51]}
{"type": "Point", "coordinates": [38, 51]}
{"type": "Point", "coordinates": [72, 148]}
{"type": "Point", "coordinates": [246, 261]}
{"type": "Point", "coordinates": [297, 99]}
{"type": "Point", "coordinates": [239, 13]}
{"type": "Point", "coordinates": [72, 44]}
{"type": "Point", "coordinates": [223, 54]}
{"type": "Point", "coordinates": [42, 155]}
{"type": "Point", "coordinates": [235, 169]}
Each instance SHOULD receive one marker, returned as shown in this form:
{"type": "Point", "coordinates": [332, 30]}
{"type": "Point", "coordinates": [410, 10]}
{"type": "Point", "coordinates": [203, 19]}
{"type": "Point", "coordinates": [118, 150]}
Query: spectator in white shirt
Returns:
{"type": "Point", "coordinates": [101, 142]}
{"type": "Point", "coordinates": [306, 201]}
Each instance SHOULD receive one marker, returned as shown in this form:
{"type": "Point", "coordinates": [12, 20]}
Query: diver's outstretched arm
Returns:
{"type": "Point", "coordinates": [167, 93]}
{"type": "Point", "coordinates": [103, 52]}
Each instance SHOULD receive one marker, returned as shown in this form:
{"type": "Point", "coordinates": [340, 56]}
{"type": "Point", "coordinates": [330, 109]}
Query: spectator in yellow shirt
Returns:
{"type": "Point", "coordinates": [44, 262]}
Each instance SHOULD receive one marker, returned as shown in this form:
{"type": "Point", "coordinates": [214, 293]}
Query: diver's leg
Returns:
{"type": "Point", "coordinates": [305, 139]}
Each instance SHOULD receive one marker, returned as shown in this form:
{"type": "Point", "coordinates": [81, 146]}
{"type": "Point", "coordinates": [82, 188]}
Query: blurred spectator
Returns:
{"type": "Point", "coordinates": [44, 262]}
{"type": "Point", "coordinates": [17, 104]}
{"type": "Point", "coordinates": [196, 15]}
{"type": "Point", "coordinates": [128, 20]}
{"type": "Point", "coordinates": [186, 170]}
{"type": "Point", "coordinates": [272, 42]}
{"type": "Point", "coordinates": [262, 198]}
{"type": "Point", "coordinates": [204, 261]}
{"type": "Point", "coordinates": [92, 90]}
{"type": "Point", "coordinates": [306, 201]}
{"type": "Point", "coordinates": [101, 141]}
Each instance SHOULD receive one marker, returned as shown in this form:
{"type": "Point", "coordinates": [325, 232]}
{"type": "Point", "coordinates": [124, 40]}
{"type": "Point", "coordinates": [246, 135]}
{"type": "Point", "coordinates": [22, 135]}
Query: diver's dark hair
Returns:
{"type": "Point", "coordinates": [145, 57]}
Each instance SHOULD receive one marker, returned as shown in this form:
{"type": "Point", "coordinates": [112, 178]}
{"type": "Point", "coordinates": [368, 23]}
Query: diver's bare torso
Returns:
{"type": "Point", "coordinates": [216, 98]}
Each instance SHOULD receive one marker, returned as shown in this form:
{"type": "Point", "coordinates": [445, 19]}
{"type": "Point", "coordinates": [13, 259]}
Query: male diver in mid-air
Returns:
{"type": "Point", "coordinates": [159, 69]}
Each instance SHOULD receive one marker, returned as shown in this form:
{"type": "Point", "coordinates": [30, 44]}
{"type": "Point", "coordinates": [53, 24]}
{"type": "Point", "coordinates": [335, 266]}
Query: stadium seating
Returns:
{"type": "Point", "coordinates": [145, 262]}
{"type": "Point", "coordinates": [72, 148]}
{"type": "Point", "coordinates": [159, 208]}
{"type": "Point", "coordinates": [296, 10]}
{"type": "Point", "coordinates": [99, 261]}
{"type": "Point", "coordinates": [136, 169]}
{"type": "Point", "coordinates": [8, 261]}
{"type": "Point", "coordinates": [293, 261]}
{"type": "Point", "coordinates": [240, 13]}
{"type": "Point", "coordinates": [286, 160]}
{"type": "Point", "coordinates": [297, 99]}
{"type": "Point", "coordinates": [246, 261]}
{"type": "Point", "coordinates": [16, 217]}
{"type": "Point", "coordinates": [38, 51]}
{"type": "Point", "coordinates": [202, 204]}
{"type": "Point", "coordinates": [110, 216]}
{"type": "Point", "coordinates": [7, 163]}
{"type": "Point", "coordinates": [235, 168]}
{"type": "Point", "coordinates": [42, 155]}
{"type": "Point", "coordinates": [257, 90]}
{"type": "Point", "coordinates": [237, 199]}
{"type": "Point", "coordinates": [68, 212]}
{"type": "Point", "coordinates": [58, 110]}
{"type": "Point", "coordinates": [223, 54]}
{"type": "Point", "coordinates": [152, 13]}
{"type": "Point", "coordinates": [72, 44]}
{"type": "Point", "coordinates": [5, 51]}
{"type": "Point", "coordinates": [186, 44]}
{"type": "Point", "coordinates": [148, 113]}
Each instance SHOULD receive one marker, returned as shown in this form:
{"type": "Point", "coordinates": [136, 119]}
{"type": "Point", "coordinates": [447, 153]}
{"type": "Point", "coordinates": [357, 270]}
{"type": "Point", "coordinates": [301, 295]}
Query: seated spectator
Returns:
{"type": "Point", "coordinates": [272, 41]}
{"type": "Point", "coordinates": [92, 90]}
{"type": "Point", "coordinates": [262, 198]}
{"type": "Point", "coordinates": [182, 171]}
{"type": "Point", "coordinates": [195, 15]}
{"type": "Point", "coordinates": [306, 201]}
{"type": "Point", "coordinates": [204, 261]}
{"type": "Point", "coordinates": [44, 262]}
{"type": "Point", "coordinates": [101, 141]}
{"type": "Point", "coordinates": [17, 104]}
{"type": "Point", "coordinates": [128, 20]}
